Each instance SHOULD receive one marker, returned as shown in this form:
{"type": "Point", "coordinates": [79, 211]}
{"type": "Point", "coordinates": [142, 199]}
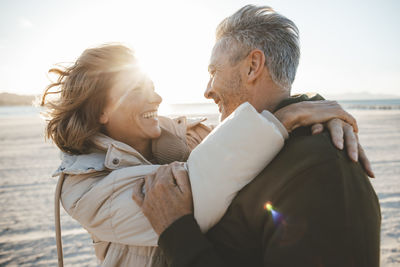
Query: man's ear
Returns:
{"type": "Point", "coordinates": [103, 117]}
{"type": "Point", "coordinates": [255, 65]}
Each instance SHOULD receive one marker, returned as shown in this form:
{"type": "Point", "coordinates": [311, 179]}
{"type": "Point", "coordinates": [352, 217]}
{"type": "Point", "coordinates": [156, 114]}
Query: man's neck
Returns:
{"type": "Point", "coordinates": [269, 97]}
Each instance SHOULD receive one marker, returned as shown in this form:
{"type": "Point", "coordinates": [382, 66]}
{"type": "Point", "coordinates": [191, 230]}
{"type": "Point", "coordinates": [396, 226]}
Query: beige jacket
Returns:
{"type": "Point", "coordinates": [97, 190]}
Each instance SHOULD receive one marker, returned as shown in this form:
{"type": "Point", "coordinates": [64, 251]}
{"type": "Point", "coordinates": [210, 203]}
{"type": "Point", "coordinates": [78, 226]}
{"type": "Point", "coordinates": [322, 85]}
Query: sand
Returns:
{"type": "Point", "coordinates": [26, 191]}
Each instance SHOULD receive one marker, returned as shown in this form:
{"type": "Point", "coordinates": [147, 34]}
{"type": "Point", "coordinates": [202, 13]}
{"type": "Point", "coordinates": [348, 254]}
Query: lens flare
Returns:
{"type": "Point", "coordinates": [268, 206]}
{"type": "Point", "coordinates": [276, 216]}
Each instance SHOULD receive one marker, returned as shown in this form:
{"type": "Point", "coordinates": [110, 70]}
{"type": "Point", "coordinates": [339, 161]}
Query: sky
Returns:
{"type": "Point", "coordinates": [347, 46]}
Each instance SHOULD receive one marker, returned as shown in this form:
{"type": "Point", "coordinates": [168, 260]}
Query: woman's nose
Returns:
{"type": "Point", "coordinates": [155, 98]}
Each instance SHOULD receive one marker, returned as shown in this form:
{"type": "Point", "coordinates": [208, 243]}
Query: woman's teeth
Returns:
{"type": "Point", "coordinates": [149, 115]}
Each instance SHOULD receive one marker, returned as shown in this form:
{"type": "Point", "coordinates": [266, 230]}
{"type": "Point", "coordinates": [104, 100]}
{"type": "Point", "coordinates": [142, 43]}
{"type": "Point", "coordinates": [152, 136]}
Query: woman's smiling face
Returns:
{"type": "Point", "coordinates": [130, 114]}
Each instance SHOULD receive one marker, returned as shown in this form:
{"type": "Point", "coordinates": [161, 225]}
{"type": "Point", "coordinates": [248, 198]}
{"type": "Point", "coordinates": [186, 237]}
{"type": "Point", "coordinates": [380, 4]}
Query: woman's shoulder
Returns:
{"type": "Point", "coordinates": [75, 186]}
{"type": "Point", "coordinates": [80, 172]}
{"type": "Point", "coordinates": [95, 187]}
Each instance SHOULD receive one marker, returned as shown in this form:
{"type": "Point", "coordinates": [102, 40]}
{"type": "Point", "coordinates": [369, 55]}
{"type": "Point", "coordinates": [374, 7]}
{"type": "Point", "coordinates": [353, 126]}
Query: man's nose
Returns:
{"type": "Point", "coordinates": [208, 92]}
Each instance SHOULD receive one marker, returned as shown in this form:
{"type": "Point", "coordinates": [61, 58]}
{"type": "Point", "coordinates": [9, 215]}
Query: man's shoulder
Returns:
{"type": "Point", "coordinates": [305, 151]}
{"type": "Point", "coordinates": [310, 160]}
{"type": "Point", "coordinates": [308, 170]}
{"type": "Point", "coordinates": [304, 143]}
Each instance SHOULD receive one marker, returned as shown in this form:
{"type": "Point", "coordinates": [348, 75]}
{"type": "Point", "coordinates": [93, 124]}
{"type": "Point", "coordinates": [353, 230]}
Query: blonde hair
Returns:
{"type": "Point", "coordinates": [73, 117]}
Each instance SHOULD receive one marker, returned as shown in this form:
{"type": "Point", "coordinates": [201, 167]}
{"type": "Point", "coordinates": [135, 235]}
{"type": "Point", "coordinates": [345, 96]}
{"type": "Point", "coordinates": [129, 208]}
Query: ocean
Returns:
{"type": "Point", "coordinates": [26, 186]}
{"type": "Point", "coordinates": [204, 109]}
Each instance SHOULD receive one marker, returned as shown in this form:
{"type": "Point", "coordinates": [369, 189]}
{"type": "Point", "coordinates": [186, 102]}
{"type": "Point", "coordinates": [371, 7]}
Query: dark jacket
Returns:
{"type": "Point", "coordinates": [322, 211]}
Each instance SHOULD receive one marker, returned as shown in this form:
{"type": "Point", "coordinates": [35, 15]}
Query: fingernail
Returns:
{"type": "Point", "coordinates": [340, 145]}
{"type": "Point", "coordinates": [354, 156]}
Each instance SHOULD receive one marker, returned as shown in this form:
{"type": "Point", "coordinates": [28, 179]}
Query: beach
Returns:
{"type": "Point", "coordinates": [27, 189]}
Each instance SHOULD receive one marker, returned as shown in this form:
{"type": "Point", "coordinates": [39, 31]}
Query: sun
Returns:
{"type": "Point", "coordinates": [172, 48]}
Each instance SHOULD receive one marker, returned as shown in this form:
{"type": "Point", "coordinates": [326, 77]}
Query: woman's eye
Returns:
{"type": "Point", "coordinates": [137, 89]}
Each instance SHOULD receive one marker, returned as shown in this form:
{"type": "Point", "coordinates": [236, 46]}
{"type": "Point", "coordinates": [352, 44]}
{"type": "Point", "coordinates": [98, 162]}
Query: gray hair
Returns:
{"type": "Point", "coordinates": [253, 27]}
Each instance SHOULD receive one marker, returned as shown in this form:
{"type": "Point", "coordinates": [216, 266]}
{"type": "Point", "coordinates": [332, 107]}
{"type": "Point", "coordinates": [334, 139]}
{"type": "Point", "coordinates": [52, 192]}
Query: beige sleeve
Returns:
{"type": "Point", "coordinates": [231, 156]}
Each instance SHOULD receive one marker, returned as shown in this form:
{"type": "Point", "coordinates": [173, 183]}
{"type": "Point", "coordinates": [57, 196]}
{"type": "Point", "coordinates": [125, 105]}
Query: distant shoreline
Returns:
{"type": "Point", "coordinates": [7, 99]}
{"type": "Point", "coordinates": [380, 104]}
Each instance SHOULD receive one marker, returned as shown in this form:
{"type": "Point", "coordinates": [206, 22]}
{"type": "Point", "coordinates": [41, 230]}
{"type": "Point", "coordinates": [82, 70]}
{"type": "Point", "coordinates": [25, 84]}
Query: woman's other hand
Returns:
{"type": "Point", "coordinates": [307, 113]}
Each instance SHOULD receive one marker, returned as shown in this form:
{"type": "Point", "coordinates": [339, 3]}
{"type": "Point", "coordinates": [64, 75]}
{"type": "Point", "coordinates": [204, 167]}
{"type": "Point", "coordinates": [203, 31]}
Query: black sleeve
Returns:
{"type": "Point", "coordinates": [183, 244]}
{"type": "Point", "coordinates": [328, 216]}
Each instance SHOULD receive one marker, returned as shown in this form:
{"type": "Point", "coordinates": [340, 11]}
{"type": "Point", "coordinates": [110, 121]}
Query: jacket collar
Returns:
{"type": "Point", "coordinates": [112, 154]}
{"type": "Point", "coordinates": [305, 130]}
{"type": "Point", "coordinates": [170, 146]}
{"type": "Point", "coordinates": [109, 155]}
{"type": "Point", "coordinates": [298, 98]}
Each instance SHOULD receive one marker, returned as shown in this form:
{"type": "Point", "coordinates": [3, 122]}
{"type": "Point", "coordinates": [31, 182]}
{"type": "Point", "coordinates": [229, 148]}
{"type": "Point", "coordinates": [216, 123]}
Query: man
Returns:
{"type": "Point", "coordinates": [311, 206]}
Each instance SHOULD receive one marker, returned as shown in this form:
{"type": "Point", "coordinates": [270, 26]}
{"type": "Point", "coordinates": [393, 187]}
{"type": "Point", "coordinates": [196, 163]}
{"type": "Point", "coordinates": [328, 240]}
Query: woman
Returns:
{"type": "Point", "coordinates": [105, 121]}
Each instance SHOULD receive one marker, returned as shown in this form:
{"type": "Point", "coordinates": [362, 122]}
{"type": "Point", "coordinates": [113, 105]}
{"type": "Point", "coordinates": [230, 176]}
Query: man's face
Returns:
{"type": "Point", "coordinates": [225, 86]}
